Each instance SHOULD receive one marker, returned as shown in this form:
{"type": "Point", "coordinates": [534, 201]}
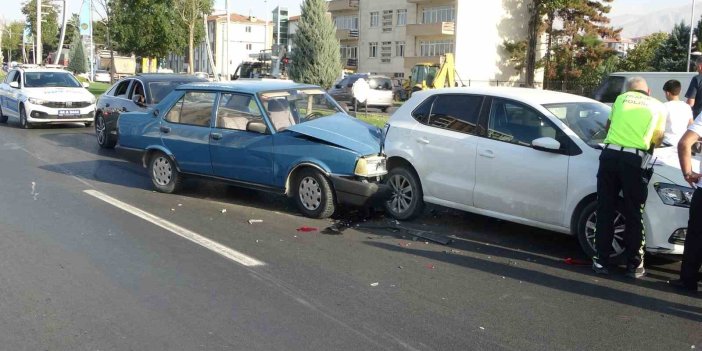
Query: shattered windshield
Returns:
{"type": "Point", "coordinates": [586, 119]}
{"type": "Point", "coordinates": [290, 107]}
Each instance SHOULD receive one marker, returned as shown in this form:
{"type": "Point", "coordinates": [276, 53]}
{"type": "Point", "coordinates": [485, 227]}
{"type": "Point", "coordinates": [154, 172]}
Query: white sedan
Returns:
{"type": "Point", "coordinates": [522, 155]}
{"type": "Point", "coordinates": [45, 96]}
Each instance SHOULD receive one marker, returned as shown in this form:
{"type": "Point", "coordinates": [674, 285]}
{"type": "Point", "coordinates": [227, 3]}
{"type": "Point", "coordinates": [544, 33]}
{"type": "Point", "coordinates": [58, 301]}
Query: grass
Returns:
{"type": "Point", "coordinates": [373, 118]}
{"type": "Point", "coordinates": [98, 88]}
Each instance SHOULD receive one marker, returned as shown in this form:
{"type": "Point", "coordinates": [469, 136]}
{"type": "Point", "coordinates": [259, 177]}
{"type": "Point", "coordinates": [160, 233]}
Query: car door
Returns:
{"type": "Point", "coordinates": [7, 95]}
{"type": "Point", "coordinates": [241, 145]}
{"type": "Point", "coordinates": [446, 147]}
{"type": "Point", "coordinates": [185, 131]}
{"type": "Point", "coordinates": [137, 88]}
{"type": "Point", "coordinates": [512, 177]}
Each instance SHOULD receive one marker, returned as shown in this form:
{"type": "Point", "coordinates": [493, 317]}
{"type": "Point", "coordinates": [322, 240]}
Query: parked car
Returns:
{"type": "Point", "coordinates": [522, 155]}
{"type": "Point", "coordinates": [204, 75]}
{"type": "Point", "coordinates": [381, 95]}
{"type": "Point", "coordinates": [36, 95]}
{"type": "Point", "coordinates": [278, 136]}
{"type": "Point", "coordinates": [134, 93]}
{"type": "Point", "coordinates": [102, 76]}
{"type": "Point", "coordinates": [615, 84]}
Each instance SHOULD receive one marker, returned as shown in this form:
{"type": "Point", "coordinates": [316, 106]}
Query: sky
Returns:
{"type": "Point", "coordinates": [12, 8]}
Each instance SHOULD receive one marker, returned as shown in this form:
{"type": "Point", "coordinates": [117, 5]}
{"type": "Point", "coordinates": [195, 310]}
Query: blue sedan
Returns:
{"type": "Point", "coordinates": [277, 136]}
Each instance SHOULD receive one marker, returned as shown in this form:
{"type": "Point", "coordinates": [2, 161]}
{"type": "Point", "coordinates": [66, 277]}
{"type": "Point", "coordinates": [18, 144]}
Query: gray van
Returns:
{"type": "Point", "coordinates": [615, 84]}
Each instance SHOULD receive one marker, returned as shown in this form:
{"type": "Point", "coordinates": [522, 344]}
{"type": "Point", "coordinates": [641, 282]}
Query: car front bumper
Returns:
{"type": "Point", "coordinates": [41, 114]}
{"type": "Point", "coordinates": [359, 193]}
{"type": "Point", "coordinates": [661, 222]}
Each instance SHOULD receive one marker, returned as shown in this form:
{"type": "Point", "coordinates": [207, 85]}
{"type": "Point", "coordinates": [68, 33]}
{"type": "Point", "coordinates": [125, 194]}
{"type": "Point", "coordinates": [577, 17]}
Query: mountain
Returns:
{"type": "Point", "coordinates": [657, 21]}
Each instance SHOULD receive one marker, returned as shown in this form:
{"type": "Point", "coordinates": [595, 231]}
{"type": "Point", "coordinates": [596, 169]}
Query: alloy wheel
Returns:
{"type": "Point", "coordinates": [402, 193]}
{"type": "Point", "coordinates": [100, 131]}
{"type": "Point", "coordinates": [619, 227]}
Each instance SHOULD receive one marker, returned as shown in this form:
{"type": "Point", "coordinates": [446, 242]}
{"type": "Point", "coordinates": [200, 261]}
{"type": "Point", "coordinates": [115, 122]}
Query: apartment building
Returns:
{"type": "Point", "coordinates": [391, 36]}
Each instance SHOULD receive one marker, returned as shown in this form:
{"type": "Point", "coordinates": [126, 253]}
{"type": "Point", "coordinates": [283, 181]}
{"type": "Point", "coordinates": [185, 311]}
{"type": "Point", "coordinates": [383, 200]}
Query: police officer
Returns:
{"type": "Point", "coordinates": [692, 255]}
{"type": "Point", "coordinates": [635, 126]}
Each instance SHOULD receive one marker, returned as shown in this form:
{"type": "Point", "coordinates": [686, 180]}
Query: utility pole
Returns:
{"type": "Point", "coordinates": [265, 36]}
{"type": "Point", "coordinates": [37, 54]}
{"type": "Point", "coordinates": [692, 30]}
{"type": "Point", "coordinates": [226, 62]}
{"type": "Point", "coordinates": [63, 34]}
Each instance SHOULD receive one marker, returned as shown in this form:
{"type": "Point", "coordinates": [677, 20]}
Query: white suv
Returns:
{"type": "Point", "coordinates": [45, 96]}
{"type": "Point", "coordinates": [523, 155]}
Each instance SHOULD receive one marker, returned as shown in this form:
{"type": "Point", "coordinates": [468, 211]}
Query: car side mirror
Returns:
{"type": "Point", "coordinates": [138, 100]}
{"type": "Point", "coordinates": [256, 127]}
{"type": "Point", "coordinates": [546, 144]}
{"type": "Point", "coordinates": [338, 86]}
{"type": "Point", "coordinates": [14, 85]}
{"type": "Point", "coordinates": [86, 84]}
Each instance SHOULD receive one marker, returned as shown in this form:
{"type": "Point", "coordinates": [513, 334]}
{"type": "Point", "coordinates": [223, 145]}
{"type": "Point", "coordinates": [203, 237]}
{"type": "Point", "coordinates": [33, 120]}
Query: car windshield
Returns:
{"type": "Point", "coordinates": [50, 79]}
{"type": "Point", "coordinates": [159, 90]}
{"type": "Point", "coordinates": [290, 107]}
{"type": "Point", "coordinates": [380, 83]}
{"type": "Point", "coordinates": [586, 119]}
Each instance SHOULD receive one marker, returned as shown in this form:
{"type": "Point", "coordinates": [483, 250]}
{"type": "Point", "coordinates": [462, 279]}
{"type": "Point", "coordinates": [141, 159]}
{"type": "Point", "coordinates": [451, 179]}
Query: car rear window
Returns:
{"type": "Point", "coordinates": [380, 83]}
{"type": "Point", "coordinates": [159, 90]}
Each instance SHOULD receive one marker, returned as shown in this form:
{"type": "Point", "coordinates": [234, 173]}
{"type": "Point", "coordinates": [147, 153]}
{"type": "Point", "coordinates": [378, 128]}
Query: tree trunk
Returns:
{"type": "Point", "coordinates": [209, 50]}
{"type": "Point", "coordinates": [534, 17]}
{"type": "Point", "coordinates": [191, 48]}
{"type": "Point", "coordinates": [549, 43]}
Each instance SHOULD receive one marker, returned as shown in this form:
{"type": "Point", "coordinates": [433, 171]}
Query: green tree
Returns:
{"type": "Point", "coordinates": [50, 28]}
{"type": "Point", "coordinates": [640, 58]}
{"type": "Point", "coordinates": [76, 57]}
{"type": "Point", "coordinates": [315, 58]}
{"type": "Point", "coordinates": [191, 13]}
{"type": "Point", "coordinates": [147, 28]}
{"type": "Point", "coordinates": [671, 56]}
{"type": "Point", "coordinates": [12, 40]}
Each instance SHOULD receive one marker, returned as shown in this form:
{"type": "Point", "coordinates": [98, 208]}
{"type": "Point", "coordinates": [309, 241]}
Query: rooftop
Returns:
{"type": "Point", "coordinates": [236, 18]}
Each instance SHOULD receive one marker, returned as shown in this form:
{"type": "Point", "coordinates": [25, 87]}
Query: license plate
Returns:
{"type": "Point", "coordinates": [68, 112]}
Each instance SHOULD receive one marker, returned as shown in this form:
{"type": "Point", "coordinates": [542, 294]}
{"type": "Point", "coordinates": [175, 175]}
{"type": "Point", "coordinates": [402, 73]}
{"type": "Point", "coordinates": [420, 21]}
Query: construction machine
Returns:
{"type": "Point", "coordinates": [431, 75]}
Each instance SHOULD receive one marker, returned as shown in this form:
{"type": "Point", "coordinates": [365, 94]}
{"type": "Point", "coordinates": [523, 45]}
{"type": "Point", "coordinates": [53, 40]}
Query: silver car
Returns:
{"type": "Point", "coordinates": [380, 96]}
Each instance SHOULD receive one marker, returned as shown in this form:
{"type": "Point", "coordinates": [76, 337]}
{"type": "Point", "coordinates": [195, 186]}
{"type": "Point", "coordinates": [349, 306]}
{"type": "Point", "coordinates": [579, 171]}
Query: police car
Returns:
{"type": "Point", "coordinates": [35, 95]}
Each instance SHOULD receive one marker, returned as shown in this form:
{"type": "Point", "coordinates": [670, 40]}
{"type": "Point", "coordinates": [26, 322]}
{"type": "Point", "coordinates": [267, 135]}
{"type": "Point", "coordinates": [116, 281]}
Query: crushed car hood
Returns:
{"type": "Point", "coordinates": [344, 131]}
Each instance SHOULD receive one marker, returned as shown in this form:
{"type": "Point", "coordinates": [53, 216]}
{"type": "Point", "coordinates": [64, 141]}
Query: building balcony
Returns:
{"type": "Point", "coordinates": [347, 34]}
{"type": "Point", "coordinates": [411, 61]}
{"type": "Point", "coordinates": [349, 63]}
{"type": "Point", "coordinates": [431, 29]}
{"type": "Point", "coordinates": [432, 2]}
{"type": "Point", "coordinates": [342, 5]}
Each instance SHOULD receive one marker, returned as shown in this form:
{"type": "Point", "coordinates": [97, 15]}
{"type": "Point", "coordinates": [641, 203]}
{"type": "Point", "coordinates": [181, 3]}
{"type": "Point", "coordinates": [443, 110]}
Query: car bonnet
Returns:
{"type": "Point", "coordinates": [344, 131]}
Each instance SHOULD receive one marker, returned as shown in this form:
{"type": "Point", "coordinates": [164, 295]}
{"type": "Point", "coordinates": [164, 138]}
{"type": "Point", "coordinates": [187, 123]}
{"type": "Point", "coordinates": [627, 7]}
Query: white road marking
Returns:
{"type": "Point", "coordinates": [180, 231]}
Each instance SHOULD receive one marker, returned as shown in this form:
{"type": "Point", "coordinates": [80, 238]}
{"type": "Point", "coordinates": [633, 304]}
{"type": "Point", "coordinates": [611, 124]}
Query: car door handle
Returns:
{"type": "Point", "coordinates": [216, 136]}
{"type": "Point", "coordinates": [423, 141]}
{"type": "Point", "coordinates": [124, 109]}
{"type": "Point", "coordinates": [107, 105]}
{"type": "Point", "coordinates": [165, 129]}
{"type": "Point", "coordinates": [487, 153]}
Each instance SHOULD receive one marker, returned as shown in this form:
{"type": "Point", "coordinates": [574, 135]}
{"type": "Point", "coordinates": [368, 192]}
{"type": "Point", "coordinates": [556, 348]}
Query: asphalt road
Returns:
{"type": "Point", "coordinates": [80, 273]}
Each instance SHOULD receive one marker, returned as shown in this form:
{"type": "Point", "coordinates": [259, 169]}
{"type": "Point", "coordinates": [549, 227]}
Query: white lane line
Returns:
{"type": "Point", "coordinates": [211, 245]}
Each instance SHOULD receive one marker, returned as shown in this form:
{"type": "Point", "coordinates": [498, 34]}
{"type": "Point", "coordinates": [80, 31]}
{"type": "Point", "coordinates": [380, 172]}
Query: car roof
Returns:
{"type": "Point", "coordinates": [161, 77]}
{"type": "Point", "coordinates": [42, 69]}
{"type": "Point", "coordinates": [529, 95]}
{"type": "Point", "coordinates": [247, 86]}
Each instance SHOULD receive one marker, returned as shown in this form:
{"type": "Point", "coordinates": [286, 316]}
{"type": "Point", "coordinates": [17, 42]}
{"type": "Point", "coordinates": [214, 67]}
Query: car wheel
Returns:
{"type": "Point", "coordinates": [406, 201]}
{"type": "Point", "coordinates": [314, 196]}
{"type": "Point", "coordinates": [3, 118]}
{"type": "Point", "coordinates": [23, 119]}
{"type": "Point", "coordinates": [586, 231]}
{"type": "Point", "coordinates": [164, 173]}
{"type": "Point", "coordinates": [104, 139]}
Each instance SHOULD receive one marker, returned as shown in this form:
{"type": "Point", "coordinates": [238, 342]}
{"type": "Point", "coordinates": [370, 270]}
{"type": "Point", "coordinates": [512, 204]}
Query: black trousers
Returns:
{"type": "Point", "coordinates": [692, 256]}
{"type": "Point", "coordinates": [620, 172]}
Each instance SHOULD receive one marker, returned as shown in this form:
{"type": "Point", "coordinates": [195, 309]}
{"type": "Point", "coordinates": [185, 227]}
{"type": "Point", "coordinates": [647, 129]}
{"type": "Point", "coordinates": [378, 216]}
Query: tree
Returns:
{"type": "Point", "coordinates": [76, 57]}
{"type": "Point", "coordinates": [49, 26]}
{"type": "Point", "coordinates": [315, 57]}
{"type": "Point", "coordinates": [538, 9]}
{"type": "Point", "coordinates": [191, 13]}
{"type": "Point", "coordinates": [640, 58]}
{"type": "Point", "coordinates": [147, 28]}
{"type": "Point", "coordinates": [671, 56]}
{"type": "Point", "coordinates": [104, 10]}
{"type": "Point", "coordinates": [12, 40]}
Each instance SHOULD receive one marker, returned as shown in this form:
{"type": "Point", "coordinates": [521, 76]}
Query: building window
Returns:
{"type": "Point", "coordinates": [374, 19]}
{"type": "Point", "coordinates": [435, 47]}
{"type": "Point", "coordinates": [386, 52]}
{"type": "Point", "coordinates": [399, 75]}
{"type": "Point", "coordinates": [387, 21]}
{"type": "Point", "coordinates": [248, 46]}
{"type": "Point", "coordinates": [346, 22]}
{"type": "Point", "coordinates": [349, 52]}
{"type": "Point", "coordinates": [400, 48]}
{"type": "Point", "coordinates": [401, 17]}
{"type": "Point", "coordinates": [373, 49]}
{"type": "Point", "coordinates": [439, 14]}
{"type": "Point", "coordinates": [248, 29]}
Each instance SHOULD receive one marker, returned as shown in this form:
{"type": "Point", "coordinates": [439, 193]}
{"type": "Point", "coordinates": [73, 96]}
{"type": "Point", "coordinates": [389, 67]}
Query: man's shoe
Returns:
{"type": "Point", "coordinates": [599, 269]}
{"type": "Point", "coordinates": [680, 285]}
{"type": "Point", "coordinates": [635, 272]}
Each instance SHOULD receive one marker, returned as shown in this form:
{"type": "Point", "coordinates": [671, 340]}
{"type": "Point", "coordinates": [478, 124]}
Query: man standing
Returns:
{"type": "Point", "coordinates": [692, 255]}
{"type": "Point", "coordinates": [679, 114]}
{"type": "Point", "coordinates": [694, 91]}
{"type": "Point", "coordinates": [635, 126]}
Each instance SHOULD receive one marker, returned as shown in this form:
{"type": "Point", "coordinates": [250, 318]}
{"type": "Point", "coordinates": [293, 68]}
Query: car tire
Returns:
{"type": "Point", "coordinates": [23, 119]}
{"type": "Point", "coordinates": [314, 195]}
{"type": "Point", "coordinates": [164, 174]}
{"type": "Point", "coordinates": [585, 231]}
{"type": "Point", "coordinates": [104, 138]}
{"type": "Point", "coordinates": [3, 118]}
{"type": "Point", "coordinates": [407, 199]}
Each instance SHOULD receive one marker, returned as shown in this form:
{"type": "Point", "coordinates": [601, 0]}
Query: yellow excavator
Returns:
{"type": "Point", "coordinates": [431, 75]}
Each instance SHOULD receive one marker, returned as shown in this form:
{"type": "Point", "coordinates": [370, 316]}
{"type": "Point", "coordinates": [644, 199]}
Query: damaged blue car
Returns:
{"type": "Point", "coordinates": [277, 136]}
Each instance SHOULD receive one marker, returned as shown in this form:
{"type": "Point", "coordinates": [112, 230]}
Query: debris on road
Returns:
{"type": "Point", "coordinates": [224, 210]}
{"type": "Point", "coordinates": [173, 209]}
{"type": "Point", "coordinates": [430, 266]}
{"type": "Point", "coordinates": [252, 221]}
{"type": "Point", "coordinates": [374, 284]}
{"type": "Point", "coordinates": [576, 262]}
{"type": "Point", "coordinates": [482, 328]}
{"type": "Point", "coordinates": [306, 229]}
{"type": "Point", "coordinates": [180, 205]}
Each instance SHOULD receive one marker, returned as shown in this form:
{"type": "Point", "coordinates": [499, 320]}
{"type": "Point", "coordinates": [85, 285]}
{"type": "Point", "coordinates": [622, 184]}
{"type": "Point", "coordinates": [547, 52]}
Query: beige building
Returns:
{"type": "Point", "coordinates": [390, 36]}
